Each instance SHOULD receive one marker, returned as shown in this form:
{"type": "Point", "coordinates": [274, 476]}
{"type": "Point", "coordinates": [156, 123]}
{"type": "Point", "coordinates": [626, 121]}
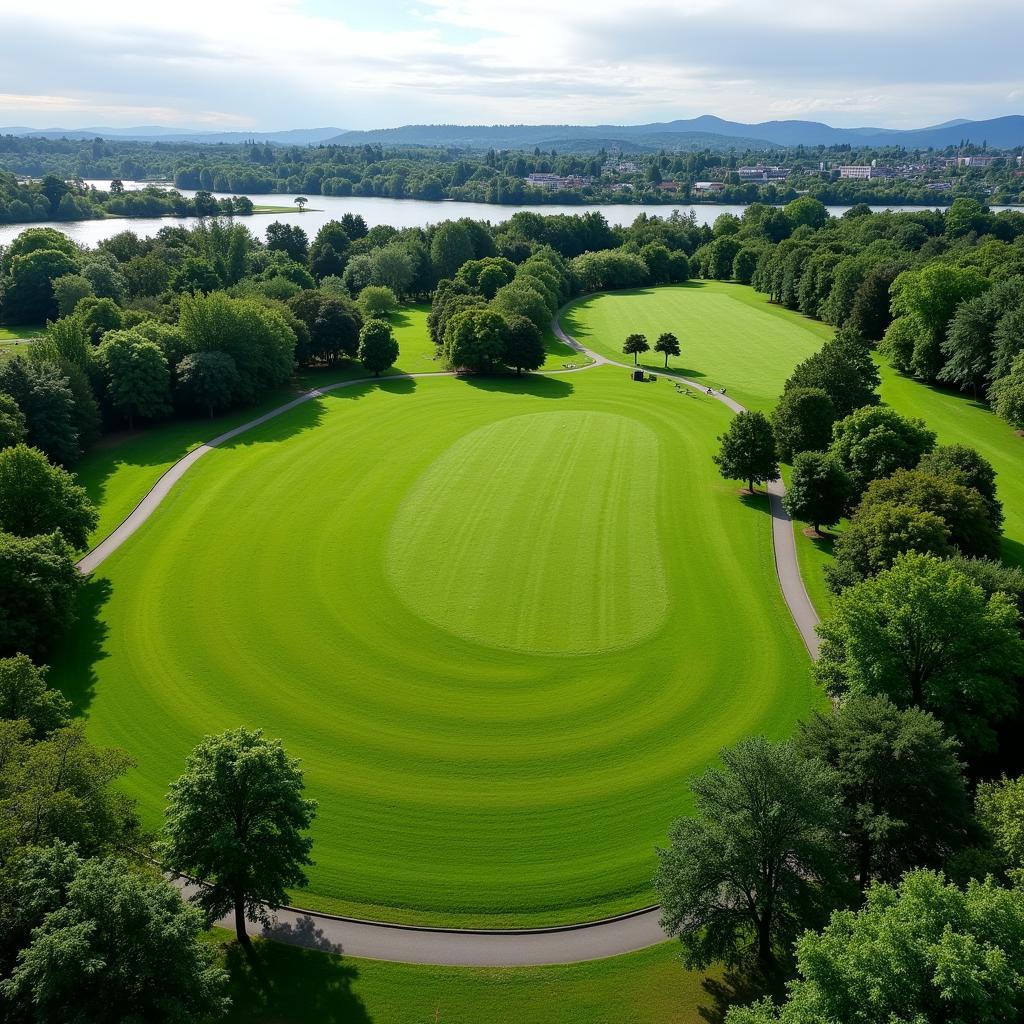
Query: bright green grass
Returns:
{"type": "Point", "coordinates": [730, 336]}
{"type": "Point", "coordinates": [288, 985]}
{"type": "Point", "coordinates": [119, 473]}
{"type": "Point", "coordinates": [496, 774]}
{"type": "Point", "coordinates": [15, 333]}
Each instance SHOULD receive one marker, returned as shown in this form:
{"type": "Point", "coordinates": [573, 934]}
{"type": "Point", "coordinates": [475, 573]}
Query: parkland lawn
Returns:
{"type": "Point", "coordinates": [282, 984]}
{"type": "Point", "coordinates": [502, 622]}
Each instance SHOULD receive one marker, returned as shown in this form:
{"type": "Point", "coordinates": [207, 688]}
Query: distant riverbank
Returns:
{"type": "Point", "coordinates": [400, 213]}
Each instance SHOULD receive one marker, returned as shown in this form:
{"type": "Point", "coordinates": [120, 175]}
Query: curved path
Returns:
{"type": "Point", "coordinates": [379, 940]}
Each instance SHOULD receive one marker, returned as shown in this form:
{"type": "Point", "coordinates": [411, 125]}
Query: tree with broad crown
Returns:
{"type": "Point", "coordinates": [844, 370]}
{"type": "Point", "coordinates": [964, 465]}
{"type": "Point", "coordinates": [300, 202]}
{"type": "Point", "coordinates": [43, 394]}
{"type": "Point", "coordinates": [634, 345]}
{"type": "Point", "coordinates": [1007, 394]}
{"type": "Point", "coordinates": [755, 864]}
{"type": "Point", "coordinates": [475, 340]}
{"type": "Point", "coordinates": [378, 349]}
{"type": "Point", "coordinates": [122, 946]}
{"type": "Point", "coordinates": [924, 950]}
{"type": "Point", "coordinates": [667, 343]}
{"type": "Point", "coordinates": [235, 819]}
{"type": "Point", "coordinates": [138, 381]}
{"type": "Point", "coordinates": [748, 450]}
{"type": "Point", "coordinates": [37, 497]}
{"type": "Point", "coordinates": [819, 490]}
{"type": "Point", "coordinates": [25, 695]}
{"type": "Point", "coordinates": [802, 422]}
{"type": "Point", "coordinates": [925, 635]}
{"type": "Point", "coordinates": [904, 799]}
{"type": "Point", "coordinates": [524, 345]}
{"type": "Point", "coordinates": [878, 535]}
{"type": "Point", "coordinates": [875, 441]}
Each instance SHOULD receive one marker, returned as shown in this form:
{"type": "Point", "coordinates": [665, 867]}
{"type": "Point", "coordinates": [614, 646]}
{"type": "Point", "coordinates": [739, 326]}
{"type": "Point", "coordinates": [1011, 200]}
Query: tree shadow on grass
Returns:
{"type": "Point", "coordinates": [758, 501]}
{"type": "Point", "coordinates": [1013, 551]}
{"type": "Point", "coordinates": [73, 663]}
{"type": "Point", "coordinates": [276, 983]}
{"type": "Point", "coordinates": [535, 384]}
{"type": "Point", "coordinates": [739, 988]}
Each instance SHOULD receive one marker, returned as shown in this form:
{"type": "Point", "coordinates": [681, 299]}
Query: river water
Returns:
{"type": "Point", "coordinates": [401, 213]}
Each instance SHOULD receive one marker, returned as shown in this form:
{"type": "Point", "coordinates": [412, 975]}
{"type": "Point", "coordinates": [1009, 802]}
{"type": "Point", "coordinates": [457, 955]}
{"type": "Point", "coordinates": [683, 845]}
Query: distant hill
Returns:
{"type": "Point", "coordinates": [158, 133]}
{"type": "Point", "coordinates": [693, 133]}
{"type": "Point", "coordinates": [705, 132]}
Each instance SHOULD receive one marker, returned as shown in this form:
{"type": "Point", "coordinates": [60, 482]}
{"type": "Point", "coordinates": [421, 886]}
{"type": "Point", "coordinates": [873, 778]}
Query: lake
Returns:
{"type": "Point", "coordinates": [401, 213]}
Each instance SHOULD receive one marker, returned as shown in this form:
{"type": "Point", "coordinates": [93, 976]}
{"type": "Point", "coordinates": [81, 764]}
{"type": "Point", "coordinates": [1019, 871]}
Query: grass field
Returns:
{"type": "Point", "coordinates": [16, 333]}
{"type": "Point", "coordinates": [288, 985]}
{"type": "Point", "coordinates": [398, 580]}
{"type": "Point", "coordinates": [120, 472]}
{"type": "Point", "coordinates": [730, 335]}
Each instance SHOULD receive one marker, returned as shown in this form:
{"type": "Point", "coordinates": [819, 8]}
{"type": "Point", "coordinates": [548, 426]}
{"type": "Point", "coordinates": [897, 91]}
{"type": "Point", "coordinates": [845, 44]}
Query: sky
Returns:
{"type": "Point", "coordinates": [276, 64]}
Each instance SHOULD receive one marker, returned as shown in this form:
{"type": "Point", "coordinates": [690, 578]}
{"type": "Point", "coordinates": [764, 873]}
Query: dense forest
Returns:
{"type": "Point", "coordinates": [500, 177]}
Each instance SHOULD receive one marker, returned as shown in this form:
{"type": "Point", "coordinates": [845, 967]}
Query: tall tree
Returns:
{"type": "Point", "coordinates": [819, 490]}
{"type": "Point", "coordinates": [925, 635]}
{"type": "Point", "coordinates": [875, 441]}
{"type": "Point", "coordinates": [524, 345]}
{"type": "Point", "coordinates": [755, 864]}
{"type": "Point", "coordinates": [904, 800]}
{"type": "Point", "coordinates": [25, 695]}
{"type": "Point", "coordinates": [748, 450]}
{"type": "Point", "coordinates": [207, 380]}
{"type": "Point", "coordinates": [634, 345]}
{"type": "Point", "coordinates": [378, 349]}
{"type": "Point", "coordinates": [137, 378]}
{"type": "Point", "coordinates": [236, 819]}
{"type": "Point", "coordinates": [37, 497]}
{"type": "Point", "coordinates": [802, 422]}
{"type": "Point", "coordinates": [668, 344]}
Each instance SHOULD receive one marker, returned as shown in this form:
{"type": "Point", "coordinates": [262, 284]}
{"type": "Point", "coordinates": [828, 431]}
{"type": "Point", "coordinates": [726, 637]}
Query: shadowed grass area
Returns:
{"type": "Point", "coordinates": [499, 664]}
{"type": "Point", "coordinates": [287, 985]}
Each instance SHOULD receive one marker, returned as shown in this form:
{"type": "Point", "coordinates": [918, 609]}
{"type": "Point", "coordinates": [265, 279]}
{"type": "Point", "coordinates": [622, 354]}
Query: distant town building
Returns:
{"type": "Point", "coordinates": [864, 171]}
{"type": "Point", "coordinates": [620, 167]}
{"type": "Point", "coordinates": [707, 187]}
{"type": "Point", "coordinates": [557, 181]}
{"type": "Point", "coordinates": [939, 186]}
{"type": "Point", "coordinates": [974, 161]}
{"type": "Point", "coordinates": [761, 173]}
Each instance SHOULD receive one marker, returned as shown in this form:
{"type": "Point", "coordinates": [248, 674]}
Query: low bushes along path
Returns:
{"type": "Point", "coordinates": [477, 947]}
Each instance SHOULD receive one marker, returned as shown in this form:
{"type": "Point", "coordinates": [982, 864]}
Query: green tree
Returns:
{"type": "Point", "coordinates": [25, 695]}
{"type": "Point", "coordinates": [965, 465]}
{"type": "Point", "coordinates": [475, 340]}
{"type": "Point", "coordinates": [196, 275]}
{"type": "Point", "coordinates": [28, 297]}
{"type": "Point", "coordinates": [802, 422]}
{"type": "Point", "coordinates": [207, 380]}
{"type": "Point", "coordinates": [61, 789]}
{"type": "Point", "coordinates": [300, 202]}
{"type": "Point", "coordinates": [924, 950]}
{"type": "Point", "coordinates": [844, 370]}
{"type": "Point", "coordinates": [68, 290]}
{"type": "Point", "coordinates": [876, 536]}
{"type": "Point", "coordinates": [961, 508]}
{"type": "Point", "coordinates": [904, 799]}
{"type": "Point", "coordinates": [748, 450]}
{"type": "Point", "coordinates": [377, 300]}
{"type": "Point", "coordinates": [136, 375]}
{"type": "Point", "coordinates": [378, 349]}
{"type": "Point", "coordinates": [1000, 809]}
{"type": "Point", "coordinates": [925, 635]}
{"type": "Point", "coordinates": [450, 247]}
{"type": "Point", "coordinates": [634, 345]}
{"type": "Point", "coordinates": [37, 497]}
{"type": "Point", "coordinates": [754, 865]}
{"type": "Point", "coordinates": [1007, 394]}
{"type": "Point", "coordinates": [123, 946]}
{"type": "Point", "coordinates": [667, 343]}
{"type": "Point", "coordinates": [334, 323]}
{"type": "Point", "coordinates": [12, 422]}
{"type": "Point", "coordinates": [875, 441]}
{"type": "Point", "coordinates": [524, 344]}
{"type": "Point", "coordinates": [819, 491]}
{"type": "Point", "coordinates": [97, 316]}
{"type": "Point", "coordinates": [236, 819]}
{"type": "Point", "coordinates": [38, 583]}
{"type": "Point", "coordinates": [44, 396]}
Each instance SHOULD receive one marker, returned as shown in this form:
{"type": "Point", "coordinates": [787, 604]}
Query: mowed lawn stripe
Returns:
{"type": "Point", "coordinates": [459, 780]}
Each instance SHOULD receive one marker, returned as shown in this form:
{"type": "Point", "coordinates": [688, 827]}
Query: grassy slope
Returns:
{"type": "Point", "coordinates": [458, 779]}
{"type": "Point", "coordinates": [14, 333]}
{"type": "Point", "coordinates": [289, 985]}
{"type": "Point", "coordinates": [726, 338]}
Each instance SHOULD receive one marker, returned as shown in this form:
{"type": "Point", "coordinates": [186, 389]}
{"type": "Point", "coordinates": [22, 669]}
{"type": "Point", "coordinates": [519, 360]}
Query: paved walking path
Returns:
{"type": "Point", "coordinates": [482, 948]}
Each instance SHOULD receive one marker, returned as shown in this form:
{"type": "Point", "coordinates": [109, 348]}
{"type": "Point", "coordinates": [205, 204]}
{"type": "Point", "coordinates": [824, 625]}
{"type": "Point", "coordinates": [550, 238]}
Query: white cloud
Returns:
{"type": "Point", "coordinates": [279, 63]}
